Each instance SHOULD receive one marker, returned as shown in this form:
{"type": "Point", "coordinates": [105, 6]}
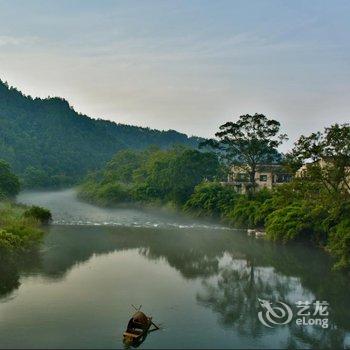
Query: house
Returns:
{"type": "Point", "coordinates": [302, 171]}
{"type": "Point", "coordinates": [266, 176]}
{"type": "Point", "coordinates": [325, 166]}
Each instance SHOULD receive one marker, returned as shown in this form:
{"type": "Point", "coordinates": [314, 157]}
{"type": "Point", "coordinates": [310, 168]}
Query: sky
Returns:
{"type": "Point", "coordinates": [184, 65]}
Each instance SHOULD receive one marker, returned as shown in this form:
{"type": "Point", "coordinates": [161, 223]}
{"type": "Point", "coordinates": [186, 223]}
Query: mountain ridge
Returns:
{"type": "Point", "coordinates": [49, 144]}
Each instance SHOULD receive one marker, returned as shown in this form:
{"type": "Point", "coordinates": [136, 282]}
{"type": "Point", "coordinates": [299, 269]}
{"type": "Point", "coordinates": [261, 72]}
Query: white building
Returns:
{"type": "Point", "coordinates": [266, 176]}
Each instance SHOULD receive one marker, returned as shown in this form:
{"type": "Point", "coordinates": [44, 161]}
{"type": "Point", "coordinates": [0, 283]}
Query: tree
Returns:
{"type": "Point", "coordinates": [211, 199]}
{"type": "Point", "coordinates": [250, 141]}
{"type": "Point", "coordinates": [48, 144]}
{"type": "Point", "coordinates": [9, 183]}
{"type": "Point", "coordinates": [172, 175]}
{"type": "Point", "coordinates": [329, 154]}
{"type": "Point", "coordinates": [122, 166]}
{"type": "Point", "coordinates": [153, 175]}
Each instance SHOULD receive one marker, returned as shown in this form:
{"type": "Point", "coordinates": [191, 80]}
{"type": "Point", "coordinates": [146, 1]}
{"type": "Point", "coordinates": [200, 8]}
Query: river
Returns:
{"type": "Point", "coordinates": [200, 281]}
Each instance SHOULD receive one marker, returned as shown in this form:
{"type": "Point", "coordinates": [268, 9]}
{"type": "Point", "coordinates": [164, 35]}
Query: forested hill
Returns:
{"type": "Point", "coordinates": [49, 144]}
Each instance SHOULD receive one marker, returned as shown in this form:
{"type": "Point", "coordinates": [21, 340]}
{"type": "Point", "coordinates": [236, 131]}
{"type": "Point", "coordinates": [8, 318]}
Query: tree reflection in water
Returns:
{"type": "Point", "coordinates": [12, 265]}
{"type": "Point", "coordinates": [233, 294]}
{"type": "Point", "coordinates": [9, 275]}
{"type": "Point", "coordinates": [234, 270]}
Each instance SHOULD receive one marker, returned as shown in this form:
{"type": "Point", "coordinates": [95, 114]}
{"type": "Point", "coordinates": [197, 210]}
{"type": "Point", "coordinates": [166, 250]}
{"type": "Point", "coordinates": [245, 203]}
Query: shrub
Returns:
{"type": "Point", "coordinates": [339, 244]}
{"type": "Point", "coordinates": [9, 241]}
{"type": "Point", "coordinates": [150, 176]}
{"type": "Point", "coordinates": [289, 223]}
{"type": "Point", "coordinates": [18, 231]}
{"type": "Point", "coordinates": [104, 193]}
{"type": "Point", "coordinates": [263, 211]}
{"type": "Point", "coordinates": [112, 193]}
{"type": "Point", "coordinates": [144, 193]}
{"type": "Point", "coordinates": [211, 199]}
{"type": "Point", "coordinates": [9, 182]}
{"type": "Point", "coordinates": [25, 230]}
{"type": "Point", "coordinates": [41, 214]}
{"type": "Point", "coordinates": [244, 213]}
{"type": "Point", "coordinates": [247, 211]}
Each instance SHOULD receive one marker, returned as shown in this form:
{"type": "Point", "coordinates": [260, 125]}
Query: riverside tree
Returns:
{"type": "Point", "coordinates": [328, 154]}
{"type": "Point", "coordinates": [9, 183]}
{"type": "Point", "coordinates": [249, 142]}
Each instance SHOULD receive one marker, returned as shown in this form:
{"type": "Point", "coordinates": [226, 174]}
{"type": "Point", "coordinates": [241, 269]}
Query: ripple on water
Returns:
{"type": "Point", "coordinates": [159, 225]}
{"type": "Point", "coordinates": [67, 210]}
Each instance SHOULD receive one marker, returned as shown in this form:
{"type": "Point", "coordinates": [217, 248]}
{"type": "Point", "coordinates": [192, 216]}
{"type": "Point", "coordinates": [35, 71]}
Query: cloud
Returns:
{"type": "Point", "coordinates": [6, 40]}
{"type": "Point", "coordinates": [187, 67]}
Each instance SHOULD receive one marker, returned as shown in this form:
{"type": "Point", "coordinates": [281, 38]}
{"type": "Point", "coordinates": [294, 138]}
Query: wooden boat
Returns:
{"type": "Point", "coordinates": [137, 328]}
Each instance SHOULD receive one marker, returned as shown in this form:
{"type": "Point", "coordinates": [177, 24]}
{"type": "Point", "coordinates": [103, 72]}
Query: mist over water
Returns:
{"type": "Point", "coordinates": [200, 281]}
{"type": "Point", "coordinates": [68, 210]}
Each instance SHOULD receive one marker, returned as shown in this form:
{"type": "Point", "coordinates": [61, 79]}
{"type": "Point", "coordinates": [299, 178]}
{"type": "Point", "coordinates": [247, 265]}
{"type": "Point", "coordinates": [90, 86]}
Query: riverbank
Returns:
{"type": "Point", "coordinates": [21, 226]}
{"type": "Point", "coordinates": [297, 211]}
{"type": "Point", "coordinates": [188, 272]}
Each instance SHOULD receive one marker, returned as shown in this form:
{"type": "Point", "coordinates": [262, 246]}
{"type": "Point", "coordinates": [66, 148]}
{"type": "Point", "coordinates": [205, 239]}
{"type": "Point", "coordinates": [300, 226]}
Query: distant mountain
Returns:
{"type": "Point", "coordinates": [48, 144]}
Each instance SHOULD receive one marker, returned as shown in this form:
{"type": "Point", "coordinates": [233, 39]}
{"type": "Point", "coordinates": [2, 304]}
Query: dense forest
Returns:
{"type": "Point", "coordinates": [152, 176]}
{"type": "Point", "coordinates": [314, 207]}
{"type": "Point", "coordinates": [48, 144]}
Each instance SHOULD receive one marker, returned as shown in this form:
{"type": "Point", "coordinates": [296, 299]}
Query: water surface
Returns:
{"type": "Point", "coordinates": [201, 281]}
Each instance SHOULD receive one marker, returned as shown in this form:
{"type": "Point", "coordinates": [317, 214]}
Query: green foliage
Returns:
{"type": "Point", "coordinates": [9, 241]}
{"type": "Point", "coordinates": [110, 194]}
{"type": "Point", "coordinates": [48, 144]}
{"type": "Point", "coordinates": [297, 211]}
{"type": "Point", "coordinates": [9, 183]}
{"type": "Point", "coordinates": [311, 208]}
{"type": "Point", "coordinates": [173, 175]}
{"type": "Point", "coordinates": [41, 214]}
{"type": "Point", "coordinates": [289, 223]}
{"type": "Point", "coordinates": [244, 212]}
{"type": "Point", "coordinates": [249, 142]}
{"type": "Point", "coordinates": [27, 231]}
{"type": "Point", "coordinates": [300, 210]}
{"type": "Point", "coordinates": [247, 211]}
{"type": "Point", "coordinates": [329, 153]}
{"type": "Point", "coordinates": [211, 199]}
{"type": "Point", "coordinates": [339, 244]}
{"type": "Point", "coordinates": [122, 166]}
{"type": "Point", "coordinates": [152, 175]}
{"type": "Point", "coordinates": [18, 231]}
{"type": "Point", "coordinates": [263, 210]}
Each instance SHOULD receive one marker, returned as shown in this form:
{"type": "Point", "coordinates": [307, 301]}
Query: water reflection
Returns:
{"type": "Point", "coordinates": [9, 275]}
{"type": "Point", "coordinates": [233, 296]}
{"type": "Point", "coordinates": [233, 270]}
{"type": "Point", "coordinates": [13, 265]}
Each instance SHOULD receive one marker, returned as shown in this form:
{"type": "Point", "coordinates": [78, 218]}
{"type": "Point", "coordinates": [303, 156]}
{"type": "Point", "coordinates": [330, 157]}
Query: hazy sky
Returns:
{"type": "Point", "coordinates": [185, 65]}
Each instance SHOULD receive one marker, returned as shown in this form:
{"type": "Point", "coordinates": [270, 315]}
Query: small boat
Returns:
{"type": "Point", "coordinates": [137, 328]}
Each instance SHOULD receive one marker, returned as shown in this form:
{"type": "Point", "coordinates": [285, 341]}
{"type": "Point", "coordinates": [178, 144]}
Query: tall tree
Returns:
{"type": "Point", "coordinates": [172, 175]}
{"type": "Point", "coordinates": [249, 142]}
{"type": "Point", "coordinates": [328, 154]}
{"type": "Point", "coordinates": [9, 183]}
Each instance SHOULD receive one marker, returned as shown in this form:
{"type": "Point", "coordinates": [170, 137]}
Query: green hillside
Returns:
{"type": "Point", "coordinates": [48, 144]}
